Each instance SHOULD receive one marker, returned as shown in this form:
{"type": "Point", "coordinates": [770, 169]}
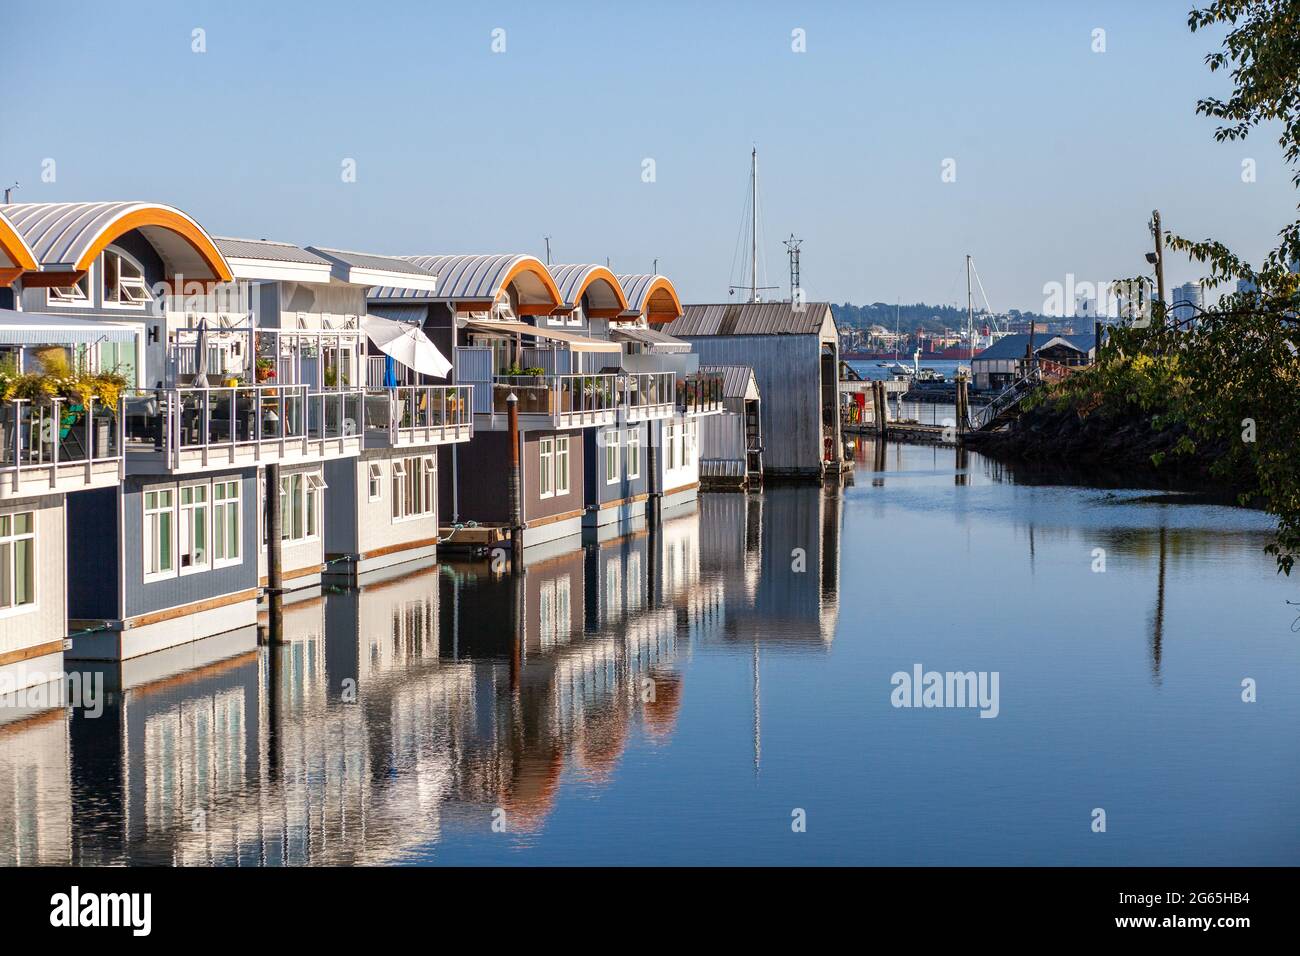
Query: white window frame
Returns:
{"type": "Point", "coordinates": [183, 517]}
{"type": "Point", "coordinates": [670, 446]}
{"type": "Point", "coordinates": [561, 474]}
{"type": "Point", "coordinates": [11, 540]}
{"type": "Point", "coordinates": [633, 453]}
{"type": "Point", "coordinates": [688, 443]}
{"type": "Point", "coordinates": [398, 488]}
{"type": "Point", "coordinates": [148, 540]}
{"type": "Point", "coordinates": [546, 469]}
{"type": "Point", "coordinates": [87, 302]}
{"type": "Point", "coordinates": [225, 504]}
{"type": "Point", "coordinates": [375, 479]}
{"type": "Point", "coordinates": [313, 503]}
{"type": "Point", "coordinates": [422, 469]}
{"type": "Point", "coordinates": [139, 285]}
{"type": "Point", "coordinates": [611, 457]}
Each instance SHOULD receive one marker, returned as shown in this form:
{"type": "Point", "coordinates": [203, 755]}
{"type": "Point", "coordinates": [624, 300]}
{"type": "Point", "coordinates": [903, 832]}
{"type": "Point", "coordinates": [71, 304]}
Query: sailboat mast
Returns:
{"type": "Point", "coordinates": [753, 224]}
{"type": "Point", "coordinates": [970, 313]}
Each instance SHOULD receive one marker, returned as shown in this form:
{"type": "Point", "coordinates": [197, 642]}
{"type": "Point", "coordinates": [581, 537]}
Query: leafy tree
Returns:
{"type": "Point", "coordinates": [1241, 358]}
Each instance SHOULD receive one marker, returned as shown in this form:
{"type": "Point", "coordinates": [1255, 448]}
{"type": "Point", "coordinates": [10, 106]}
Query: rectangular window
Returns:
{"type": "Point", "coordinates": [611, 456]}
{"type": "Point", "coordinates": [192, 529]}
{"type": "Point", "coordinates": [159, 533]}
{"type": "Point", "coordinates": [315, 499]}
{"type": "Point", "coordinates": [670, 446]}
{"type": "Point", "coordinates": [124, 282]}
{"type": "Point", "coordinates": [375, 490]}
{"type": "Point", "coordinates": [633, 453]}
{"type": "Point", "coordinates": [225, 523]}
{"type": "Point", "coordinates": [17, 560]}
{"type": "Point", "coordinates": [301, 497]}
{"type": "Point", "coordinates": [399, 487]}
{"type": "Point", "coordinates": [562, 465]}
{"type": "Point", "coordinates": [546, 470]}
{"type": "Point", "coordinates": [688, 442]}
{"type": "Point", "coordinates": [413, 487]}
{"type": "Point", "coordinates": [77, 294]}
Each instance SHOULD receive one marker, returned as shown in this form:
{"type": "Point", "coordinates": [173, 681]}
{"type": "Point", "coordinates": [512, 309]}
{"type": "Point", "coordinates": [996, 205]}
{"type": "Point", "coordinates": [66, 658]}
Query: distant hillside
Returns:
{"type": "Point", "coordinates": [911, 318]}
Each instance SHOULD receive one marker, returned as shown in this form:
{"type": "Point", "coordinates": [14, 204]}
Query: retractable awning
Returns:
{"type": "Point", "coordinates": [39, 328]}
{"type": "Point", "coordinates": [575, 342]}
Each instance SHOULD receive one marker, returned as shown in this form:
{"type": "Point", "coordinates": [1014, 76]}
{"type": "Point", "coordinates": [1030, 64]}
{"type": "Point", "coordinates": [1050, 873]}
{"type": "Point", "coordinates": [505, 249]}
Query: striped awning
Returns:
{"type": "Point", "coordinates": [39, 328]}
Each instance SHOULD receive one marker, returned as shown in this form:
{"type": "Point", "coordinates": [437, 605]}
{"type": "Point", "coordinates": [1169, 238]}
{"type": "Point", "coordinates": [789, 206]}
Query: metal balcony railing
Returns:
{"type": "Point", "coordinates": [242, 421]}
{"type": "Point", "coordinates": [648, 395]}
{"type": "Point", "coordinates": [61, 444]}
{"type": "Point", "coordinates": [699, 394]}
{"type": "Point", "coordinates": [419, 414]}
{"type": "Point", "coordinates": [568, 401]}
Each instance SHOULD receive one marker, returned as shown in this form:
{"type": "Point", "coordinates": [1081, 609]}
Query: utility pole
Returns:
{"type": "Point", "coordinates": [1160, 255]}
{"type": "Point", "coordinates": [9, 192]}
{"type": "Point", "coordinates": [548, 249]}
{"type": "Point", "coordinates": [656, 266]}
{"type": "Point", "coordinates": [514, 489]}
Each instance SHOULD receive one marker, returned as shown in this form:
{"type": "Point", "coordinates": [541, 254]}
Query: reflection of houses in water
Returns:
{"type": "Point", "coordinates": [35, 805]}
{"type": "Point", "coordinates": [387, 715]}
{"type": "Point", "coordinates": [778, 559]}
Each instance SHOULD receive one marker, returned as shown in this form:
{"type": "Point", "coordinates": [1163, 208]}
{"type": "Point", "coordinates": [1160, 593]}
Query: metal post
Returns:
{"type": "Point", "coordinates": [654, 499]}
{"type": "Point", "coordinates": [274, 566]}
{"type": "Point", "coordinates": [514, 490]}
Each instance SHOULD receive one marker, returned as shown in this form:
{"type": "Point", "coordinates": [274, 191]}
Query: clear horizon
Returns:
{"type": "Point", "coordinates": [1061, 152]}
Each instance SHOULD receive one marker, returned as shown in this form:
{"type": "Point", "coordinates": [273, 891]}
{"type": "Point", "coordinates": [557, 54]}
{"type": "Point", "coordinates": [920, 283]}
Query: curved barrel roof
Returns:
{"type": "Point", "coordinates": [67, 236]}
{"type": "Point", "coordinates": [605, 297]}
{"type": "Point", "coordinates": [474, 282]}
{"type": "Point", "coordinates": [650, 296]}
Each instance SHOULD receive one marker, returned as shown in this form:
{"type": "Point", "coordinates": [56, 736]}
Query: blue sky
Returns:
{"type": "Point", "coordinates": [1061, 152]}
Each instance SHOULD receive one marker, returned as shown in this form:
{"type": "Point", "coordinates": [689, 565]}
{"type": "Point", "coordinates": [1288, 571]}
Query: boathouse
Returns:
{"type": "Point", "coordinates": [731, 444]}
{"type": "Point", "coordinates": [793, 348]}
{"type": "Point", "coordinates": [1004, 361]}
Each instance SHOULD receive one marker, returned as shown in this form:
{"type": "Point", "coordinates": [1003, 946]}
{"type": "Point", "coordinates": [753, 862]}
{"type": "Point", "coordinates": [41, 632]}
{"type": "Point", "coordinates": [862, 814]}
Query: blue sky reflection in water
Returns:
{"type": "Point", "coordinates": [1119, 690]}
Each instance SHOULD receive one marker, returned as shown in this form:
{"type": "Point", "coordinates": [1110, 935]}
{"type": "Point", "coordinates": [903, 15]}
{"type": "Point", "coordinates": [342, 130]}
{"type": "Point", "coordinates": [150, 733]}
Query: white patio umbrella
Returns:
{"type": "Point", "coordinates": [407, 344]}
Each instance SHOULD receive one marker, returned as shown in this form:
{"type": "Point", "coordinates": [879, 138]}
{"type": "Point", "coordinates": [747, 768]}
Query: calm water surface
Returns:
{"type": "Point", "coordinates": [674, 698]}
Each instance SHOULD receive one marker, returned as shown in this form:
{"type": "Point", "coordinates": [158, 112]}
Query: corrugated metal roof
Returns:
{"type": "Point", "coordinates": [267, 250]}
{"type": "Point", "coordinates": [366, 260]}
{"type": "Point", "coordinates": [574, 280]}
{"type": "Point", "coordinates": [14, 250]}
{"type": "Point", "coordinates": [1013, 346]}
{"type": "Point", "coordinates": [61, 234]}
{"type": "Point", "coordinates": [640, 288]}
{"type": "Point", "coordinates": [735, 379]}
{"type": "Point", "coordinates": [751, 318]}
{"type": "Point", "coordinates": [660, 340]}
{"type": "Point", "coordinates": [468, 278]}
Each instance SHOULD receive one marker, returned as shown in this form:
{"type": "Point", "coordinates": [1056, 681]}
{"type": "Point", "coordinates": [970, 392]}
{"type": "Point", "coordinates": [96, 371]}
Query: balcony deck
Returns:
{"type": "Point", "coordinates": [186, 430]}
{"type": "Point", "coordinates": [549, 401]}
{"type": "Point", "coordinates": [58, 447]}
{"type": "Point", "coordinates": [413, 415]}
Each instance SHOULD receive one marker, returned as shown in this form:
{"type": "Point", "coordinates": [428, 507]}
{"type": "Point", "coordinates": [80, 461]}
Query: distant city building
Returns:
{"type": "Point", "coordinates": [1186, 302]}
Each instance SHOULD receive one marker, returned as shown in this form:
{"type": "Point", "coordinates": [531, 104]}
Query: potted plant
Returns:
{"type": "Point", "coordinates": [265, 370]}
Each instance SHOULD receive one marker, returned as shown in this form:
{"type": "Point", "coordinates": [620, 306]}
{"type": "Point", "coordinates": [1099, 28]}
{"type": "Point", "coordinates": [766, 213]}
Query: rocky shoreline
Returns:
{"type": "Point", "coordinates": [1114, 449]}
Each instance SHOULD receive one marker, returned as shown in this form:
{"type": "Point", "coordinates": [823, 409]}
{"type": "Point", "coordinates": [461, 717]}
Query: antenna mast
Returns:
{"type": "Point", "coordinates": [792, 247]}
{"type": "Point", "coordinates": [970, 313]}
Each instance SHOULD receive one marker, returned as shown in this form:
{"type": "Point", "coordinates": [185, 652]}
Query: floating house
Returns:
{"type": "Point", "coordinates": [51, 445]}
{"type": "Point", "coordinates": [383, 516]}
{"type": "Point", "coordinates": [1005, 360]}
{"type": "Point", "coordinates": [793, 349]}
{"type": "Point", "coordinates": [502, 320]}
{"type": "Point", "coordinates": [731, 444]}
{"type": "Point", "coordinates": [107, 272]}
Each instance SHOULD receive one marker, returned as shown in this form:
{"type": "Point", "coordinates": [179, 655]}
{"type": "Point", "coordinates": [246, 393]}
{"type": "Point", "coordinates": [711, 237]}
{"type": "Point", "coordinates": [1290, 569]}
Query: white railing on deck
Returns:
{"type": "Point", "coordinates": [409, 413]}
{"type": "Point", "coordinates": [58, 438]}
